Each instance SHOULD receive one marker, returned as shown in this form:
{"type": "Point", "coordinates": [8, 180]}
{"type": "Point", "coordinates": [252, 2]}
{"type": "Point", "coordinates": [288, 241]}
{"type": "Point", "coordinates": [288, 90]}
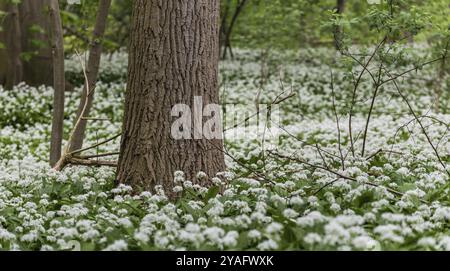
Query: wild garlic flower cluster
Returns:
{"type": "Point", "coordinates": [294, 207]}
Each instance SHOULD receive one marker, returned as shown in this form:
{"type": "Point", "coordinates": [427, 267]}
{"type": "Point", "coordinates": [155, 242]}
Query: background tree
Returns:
{"type": "Point", "coordinates": [92, 70]}
{"type": "Point", "coordinates": [340, 7]}
{"type": "Point", "coordinates": [227, 24]}
{"type": "Point", "coordinates": [12, 63]}
{"type": "Point", "coordinates": [25, 35]}
{"type": "Point", "coordinates": [57, 49]}
{"type": "Point", "coordinates": [173, 57]}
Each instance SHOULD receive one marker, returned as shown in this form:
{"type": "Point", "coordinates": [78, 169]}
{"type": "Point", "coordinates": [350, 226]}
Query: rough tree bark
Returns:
{"type": "Point", "coordinates": [92, 74]}
{"type": "Point", "coordinates": [174, 53]}
{"type": "Point", "coordinates": [57, 47]}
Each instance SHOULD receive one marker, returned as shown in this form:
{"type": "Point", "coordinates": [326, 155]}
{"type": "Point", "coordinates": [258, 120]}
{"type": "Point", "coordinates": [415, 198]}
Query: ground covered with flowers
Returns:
{"type": "Point", "coordinates": [396, 197]}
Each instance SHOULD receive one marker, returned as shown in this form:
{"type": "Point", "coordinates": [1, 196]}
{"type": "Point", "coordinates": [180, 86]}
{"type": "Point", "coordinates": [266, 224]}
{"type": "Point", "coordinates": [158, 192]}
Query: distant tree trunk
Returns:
{"type": "Point", "coordinates": [38, 68]}
{"type": "Point", "coordinates": [11, 38]}
{"type": "Point", "coordinates": [228, 29]}
{"type": "Point", "coordinates": [223, 25]}
{"type": "Point", "coordinates": [29, 41]}
{"type": "Point", "coordinates": [340, 8]}
{"type": "Point", "coordinates": [174, 54]}
{"type": "Point", "coordinates": [57, 47]}
{"type": "Point", "coordinates": [92, 74]}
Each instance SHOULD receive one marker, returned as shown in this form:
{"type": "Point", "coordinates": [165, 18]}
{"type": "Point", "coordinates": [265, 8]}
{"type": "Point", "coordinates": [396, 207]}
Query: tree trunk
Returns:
{"type": "Point", "coordinates": [13, 69]}
{"type": "Point", "coordinates": [174, 54]}
{"type": "Point", "coordinates": [229, 29]}
{"type": "Point", "coordinates": [29, 40]}
{"type": "Point", "coordinates": [223, 26]}
{"type": "Point", "coordinates": [340, 8]}
{"type": "Point", "coordinates": [37, 70]}
{"type": "Point", "coordinates": [57, 47]}
{"type": "Point", "coordinates": [95, 53]}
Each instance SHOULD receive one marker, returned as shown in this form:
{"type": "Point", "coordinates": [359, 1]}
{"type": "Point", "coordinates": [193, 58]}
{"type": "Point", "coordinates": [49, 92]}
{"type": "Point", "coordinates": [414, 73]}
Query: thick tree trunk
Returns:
{"type": "Point", "coordinates": [57, 47]}
{"type": "Point", "coordinates": [173, 58]}
{"type": "Point", "coordinates": [95, 53]}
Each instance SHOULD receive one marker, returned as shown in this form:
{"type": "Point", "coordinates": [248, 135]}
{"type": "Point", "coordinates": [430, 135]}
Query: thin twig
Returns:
{"type": "Point", "coordinates": [355, 89]}
{"type": "Point", "coordinates": [95, 119]}
{"type": "Point", "coordinates": [396, 76]}
{"type": "Point", "coordinates": [96, 145]}
{"type": "Point", "coordinates": [424, 131]}
{"type": "Point", "coordinates": [306, 143]}
{"type": "Point", "coordinates": [374, 154]}
{"type": "Point", "coordinates": [337, 121]}
{"type": "Point", "coordinates": [372, 105]}
{"type": "Point", "coordinates": [342, 176]}
{"type": "Point", "coordinates": [321, 156]}
{"type": "Point", "coordinates": [274, 102]}
{"type": "Point", "coordinates": [325, 186]}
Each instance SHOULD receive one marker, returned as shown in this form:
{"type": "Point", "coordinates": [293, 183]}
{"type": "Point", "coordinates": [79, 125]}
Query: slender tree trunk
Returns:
{"type": "Point", "coordinates": [92, 74]}
{"type": "Point", "coordinates": [229, 29]}
{"type": "Point", "coordinates": [340, 8]}
{"type": "Point", "coordinates": [224, 25]}
{"type": "Point", "coordinates": [57, 47]}
{"type": "Point", "coordinates": [174, 54]}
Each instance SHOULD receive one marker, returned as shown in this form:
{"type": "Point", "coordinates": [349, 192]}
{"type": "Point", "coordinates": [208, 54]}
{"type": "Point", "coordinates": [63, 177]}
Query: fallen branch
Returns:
{"type": "Point", "coordinates": [98, 155]}
{"type": "Point", "coordinates": [68, 157]}
{"type": "Point", "coordinates": [91, 163]}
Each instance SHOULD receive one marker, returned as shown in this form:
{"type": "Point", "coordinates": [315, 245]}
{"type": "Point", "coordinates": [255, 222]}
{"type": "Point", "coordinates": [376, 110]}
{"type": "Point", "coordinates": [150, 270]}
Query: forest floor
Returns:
{"type": "Point", "coordinates": [286, 189]}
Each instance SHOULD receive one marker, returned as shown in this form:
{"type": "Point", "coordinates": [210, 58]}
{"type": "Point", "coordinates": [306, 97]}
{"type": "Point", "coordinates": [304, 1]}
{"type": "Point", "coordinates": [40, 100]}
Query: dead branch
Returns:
{"type": "Point", "coordinates": [341, 176]}
{"type": "Point", "coordinates": [355, 89]}
{"type": "Point", "coordinates": [97, 155]}
{"type": "Point", "coordinates": [325, 186]}
{"type": "Point", "coordinates": [69, 157]}
{"type": "Point", "coordinates": [337, 122]}
{"type": "Point", "coordinates": [276, 101]}
{"type": "Point", "coordinates": [96, 145]}
{"type": "Point", "coordinates": [372, 105]}
{"type": "Point", "coordinates": [91, 163]}
{"type": "Point", "coordinates": [416, 117]}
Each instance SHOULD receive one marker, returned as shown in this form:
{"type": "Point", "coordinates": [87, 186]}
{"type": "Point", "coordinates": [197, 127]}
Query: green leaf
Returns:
{"type": "Point", "coordinates": [212, 192]}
